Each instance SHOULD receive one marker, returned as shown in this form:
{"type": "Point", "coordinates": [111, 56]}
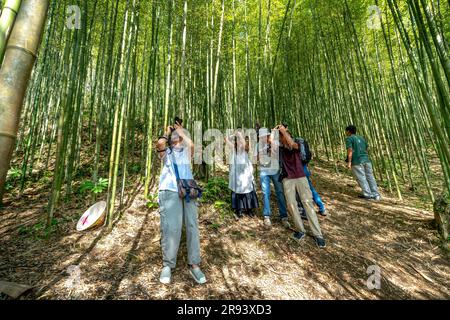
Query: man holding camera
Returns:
{"type": "Point", "coordinates": [295, 182]}
{"type": "Point", "coordinates": [270, 171]}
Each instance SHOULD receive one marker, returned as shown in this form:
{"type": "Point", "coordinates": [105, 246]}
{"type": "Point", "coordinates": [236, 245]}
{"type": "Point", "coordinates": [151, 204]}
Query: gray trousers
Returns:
{"type": "Point", "coordinates": [173, 212]}
{"type": "Point", "coordinates": [364, 175]}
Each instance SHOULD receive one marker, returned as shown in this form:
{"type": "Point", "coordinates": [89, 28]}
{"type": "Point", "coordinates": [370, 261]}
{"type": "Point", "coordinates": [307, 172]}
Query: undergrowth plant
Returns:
{"type": "Point", "coordinates": [96, 188]}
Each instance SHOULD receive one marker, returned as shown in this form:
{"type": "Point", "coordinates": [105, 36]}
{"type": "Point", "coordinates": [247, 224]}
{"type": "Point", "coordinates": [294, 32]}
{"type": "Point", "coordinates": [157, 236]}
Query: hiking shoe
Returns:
{"type": "Point", "coordinates": [285, 223]}
{"type": "Point", "coordinates": [238, 215]}
{"type": "Point", "coordinates": [320, 242]}
{"type": "Point", "coordinates": [323, 213]}
{"type": "Point", "coordinates": [165, 276]}
{"type": "Point", "coordinates": [267, 222]}
{"type": "Point", "coordinates": [364, 197]}
{"type": "Point", "coordinates": [377, 198]}
{"type": "Point", "coordinates": [198, 275]}
{"type": "Point", "coordinates": [298, 236]}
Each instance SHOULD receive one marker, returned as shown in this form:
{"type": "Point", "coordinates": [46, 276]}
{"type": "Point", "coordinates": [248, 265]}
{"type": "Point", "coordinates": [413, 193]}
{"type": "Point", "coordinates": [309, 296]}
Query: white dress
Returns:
{"type": "Point", "coordinates": [241, 178]}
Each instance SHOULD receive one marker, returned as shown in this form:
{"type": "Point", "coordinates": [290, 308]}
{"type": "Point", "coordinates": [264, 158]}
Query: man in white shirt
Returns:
{"type": "Point", "coordinates": [269, 170]}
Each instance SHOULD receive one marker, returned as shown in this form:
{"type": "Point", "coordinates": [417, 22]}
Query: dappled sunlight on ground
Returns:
{"type": "Point", "coordinates": [241, 259]}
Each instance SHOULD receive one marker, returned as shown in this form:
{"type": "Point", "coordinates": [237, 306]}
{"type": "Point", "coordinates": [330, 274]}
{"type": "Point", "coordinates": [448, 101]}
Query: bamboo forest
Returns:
{"type": "Point", "coordinates": [354, 94]}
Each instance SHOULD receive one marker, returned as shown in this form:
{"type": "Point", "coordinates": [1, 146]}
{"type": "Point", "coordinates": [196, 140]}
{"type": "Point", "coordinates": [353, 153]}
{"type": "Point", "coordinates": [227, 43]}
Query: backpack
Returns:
{"type": "Point", "coordinates": [305, 151]}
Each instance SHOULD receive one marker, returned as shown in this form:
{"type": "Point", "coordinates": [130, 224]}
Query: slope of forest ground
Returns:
{"type": "Point", "coordinates": [242, 259]}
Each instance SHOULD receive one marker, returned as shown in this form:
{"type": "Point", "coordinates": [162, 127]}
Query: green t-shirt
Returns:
{"type": "Point", "coordinates": [359, 147]}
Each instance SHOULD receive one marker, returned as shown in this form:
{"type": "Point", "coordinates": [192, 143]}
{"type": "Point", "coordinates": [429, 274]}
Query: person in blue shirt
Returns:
{"type": "Point", "coordinates": [316, 197]}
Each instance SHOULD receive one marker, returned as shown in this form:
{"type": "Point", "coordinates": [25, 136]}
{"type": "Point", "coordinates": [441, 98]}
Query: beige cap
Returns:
{"type": "Point", "coordinates": [263, 132]}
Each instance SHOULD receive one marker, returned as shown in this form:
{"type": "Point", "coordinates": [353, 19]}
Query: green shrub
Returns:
{"type": "Point", "coordinates": [152, 201]}
{"type": "Point", "coordinates": [216, 189]}
{"type": "Point", "coordinates": [14, 174]}
{"type": "Point", "coordinates": [8, 186]}
{"type": "Point", "coordinates": [39, 230]}
{"type": "Point", "coordinates": [96, 188]}
{"type": "Point", "coordinates": [12, 177]}
{"type": "Point", "coordinates": [224, 209]}
{"type": "Point", "coordinates": [135, 168]}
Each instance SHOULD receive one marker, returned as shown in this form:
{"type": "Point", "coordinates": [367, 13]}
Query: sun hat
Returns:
{"type": "Point", "coordinates": [92, 217]}
{"type": "Point", "coordinates": [263, 132]}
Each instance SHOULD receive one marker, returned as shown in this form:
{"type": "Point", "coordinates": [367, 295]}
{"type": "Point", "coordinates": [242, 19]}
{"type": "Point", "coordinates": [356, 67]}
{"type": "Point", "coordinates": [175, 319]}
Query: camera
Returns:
{"type": "Point", "coordinates": [177, 121]}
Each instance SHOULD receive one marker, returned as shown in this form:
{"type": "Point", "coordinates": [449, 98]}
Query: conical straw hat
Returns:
{"type": "Point", "coordinates": [93, 217]}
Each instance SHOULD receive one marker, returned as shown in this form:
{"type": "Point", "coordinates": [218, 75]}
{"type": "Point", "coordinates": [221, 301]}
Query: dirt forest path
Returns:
{"type": "Point", "coordinates": [242, 260]}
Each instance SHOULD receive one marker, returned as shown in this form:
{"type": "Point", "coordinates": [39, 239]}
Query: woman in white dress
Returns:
{"type": "Point", "coordinates": [241, 180]}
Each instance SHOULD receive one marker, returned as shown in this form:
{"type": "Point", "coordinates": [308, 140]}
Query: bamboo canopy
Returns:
{"type": "Point", "coordinates": [21, 53]}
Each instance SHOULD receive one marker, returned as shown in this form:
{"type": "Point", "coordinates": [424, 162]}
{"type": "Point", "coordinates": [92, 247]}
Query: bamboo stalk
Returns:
{"type": "Point", "coordinates": [7, 18]}
{"type": "Point", "coordinates": [20, 56]}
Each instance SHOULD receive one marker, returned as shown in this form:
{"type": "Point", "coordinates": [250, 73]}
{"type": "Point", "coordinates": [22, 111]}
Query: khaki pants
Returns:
{"type": "Point", "coordinates": [301, 186]}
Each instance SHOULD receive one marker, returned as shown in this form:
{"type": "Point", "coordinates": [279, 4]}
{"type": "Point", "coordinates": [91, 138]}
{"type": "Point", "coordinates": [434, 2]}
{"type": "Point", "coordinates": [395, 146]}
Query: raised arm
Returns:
{"type": "Point", "coordinates": [186, 139]}
{"type": "Point", "coordinates": [162, 144]}
{"type": "Point", "coordinates": [228, 142]}
{"type": "Point", "coordinates": [240, 138]}
{"type": "Point", "coordinates": [289, 141]}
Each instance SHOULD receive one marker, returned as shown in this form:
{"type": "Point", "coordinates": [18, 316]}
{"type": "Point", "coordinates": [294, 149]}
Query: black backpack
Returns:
{"type": "Point", "coordinates": [305, 151]}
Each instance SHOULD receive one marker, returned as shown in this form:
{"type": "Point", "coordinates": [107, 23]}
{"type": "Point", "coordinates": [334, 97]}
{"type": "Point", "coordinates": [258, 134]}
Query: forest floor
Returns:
{"type": "Point", "coordinates": [241, 259]}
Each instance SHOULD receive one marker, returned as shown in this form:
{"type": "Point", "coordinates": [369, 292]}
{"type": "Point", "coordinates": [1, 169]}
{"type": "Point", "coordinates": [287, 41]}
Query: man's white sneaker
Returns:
{"type": "Point", "coordinates": [267, 222]}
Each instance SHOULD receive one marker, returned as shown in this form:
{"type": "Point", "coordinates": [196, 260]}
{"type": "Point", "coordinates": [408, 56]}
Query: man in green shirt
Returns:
{"type": "Point", "coordinates": [359, 162]}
